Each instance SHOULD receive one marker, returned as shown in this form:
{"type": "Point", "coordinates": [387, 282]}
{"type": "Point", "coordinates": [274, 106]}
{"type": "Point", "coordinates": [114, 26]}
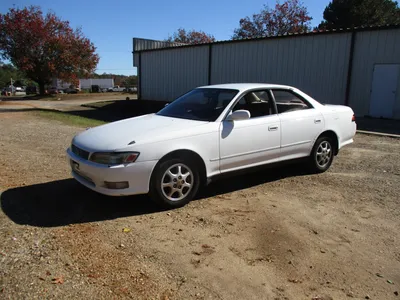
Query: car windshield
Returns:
{"type": "Point", "coordinates": [204, 104]}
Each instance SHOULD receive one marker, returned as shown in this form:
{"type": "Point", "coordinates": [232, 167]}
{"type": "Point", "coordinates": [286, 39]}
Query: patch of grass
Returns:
{"type": "Point", "coordinates": [69, 119]}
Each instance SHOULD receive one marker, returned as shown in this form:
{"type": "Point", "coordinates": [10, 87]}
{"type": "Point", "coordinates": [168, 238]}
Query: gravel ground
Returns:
{"type": "Point", "coordinates": [274, 234]}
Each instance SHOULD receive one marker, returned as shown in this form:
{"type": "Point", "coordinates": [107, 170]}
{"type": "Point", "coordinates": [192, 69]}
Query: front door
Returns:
{"type": "Point", "coordinates": [254, 141]}
{"type": "Point", "coordinates": [383, 92]}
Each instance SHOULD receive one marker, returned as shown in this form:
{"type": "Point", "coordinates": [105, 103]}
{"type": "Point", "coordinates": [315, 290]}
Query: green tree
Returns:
{"type": "Point", "coordinates": [8, 71]}
{"type": "Point", "coordinates": [131, 81]}
{"type": "Point", "coordinates": [353, 13]}
{"type": "Point", "coordinates": [121, 80]}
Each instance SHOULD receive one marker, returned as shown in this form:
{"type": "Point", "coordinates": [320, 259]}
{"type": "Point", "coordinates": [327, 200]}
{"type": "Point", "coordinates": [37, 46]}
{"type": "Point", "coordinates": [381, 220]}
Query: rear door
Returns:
{"type": "Point", "coordinates": [301, 123]}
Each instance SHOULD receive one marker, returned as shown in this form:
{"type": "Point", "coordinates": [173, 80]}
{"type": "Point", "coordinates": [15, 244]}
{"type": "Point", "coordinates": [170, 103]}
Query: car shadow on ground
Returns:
{"type": "Point", "coordinates": [101, 115]}
{"type": "Point", "coordinates": [110, 111]}
{"type": "Point", "coordinates": [64, 202]}
{"type": "Point", "coordinates": [236, 181]}
{"type": "Point", "coordinates": [379, 125]}
{"type": "Point", "coordinates": [107, 111]}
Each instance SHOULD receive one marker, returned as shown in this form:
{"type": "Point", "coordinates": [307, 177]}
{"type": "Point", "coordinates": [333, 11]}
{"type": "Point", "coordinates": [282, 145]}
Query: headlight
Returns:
{"type": "Point", "coordinates": [114, 158]}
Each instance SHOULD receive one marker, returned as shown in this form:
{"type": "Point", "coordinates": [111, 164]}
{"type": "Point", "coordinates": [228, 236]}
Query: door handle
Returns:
{"type": "Point", "coordinates": [317, 121]}
{"type": "Point", "coordinates": [272, 128]}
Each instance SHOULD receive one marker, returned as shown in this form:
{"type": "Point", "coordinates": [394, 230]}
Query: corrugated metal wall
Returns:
{"type": "Point", "coordinates": [372, 47]}
{"type": "Point", "coordinates": [315, 64]}
{"type": "Point", "coordinates": [169, 73]}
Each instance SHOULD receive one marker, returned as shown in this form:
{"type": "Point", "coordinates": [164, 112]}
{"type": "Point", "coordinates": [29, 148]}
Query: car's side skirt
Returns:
{"type": "Point", "coordinates": [256, 169]}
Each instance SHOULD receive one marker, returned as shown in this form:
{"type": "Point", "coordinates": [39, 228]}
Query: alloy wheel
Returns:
{"type": "Point", "coordinates": [177, 182]}
{"type": "Point", "coordinates": [324, 154]}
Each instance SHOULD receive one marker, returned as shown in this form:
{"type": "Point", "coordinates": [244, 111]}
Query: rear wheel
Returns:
{"type": "Point", "coordinates": [322, 155]}
{"type": "Point", "coordinates": [174, 183]}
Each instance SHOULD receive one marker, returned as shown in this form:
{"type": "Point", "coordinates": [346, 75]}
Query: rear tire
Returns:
{"type": "Point", "coordinates": [322, 155]}
{"type": "Point", "coordinates": [174, 182]}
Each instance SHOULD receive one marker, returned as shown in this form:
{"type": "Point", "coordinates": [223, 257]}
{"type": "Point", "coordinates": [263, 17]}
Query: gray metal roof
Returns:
{"type": "Point", "coordinates": [140, 44]}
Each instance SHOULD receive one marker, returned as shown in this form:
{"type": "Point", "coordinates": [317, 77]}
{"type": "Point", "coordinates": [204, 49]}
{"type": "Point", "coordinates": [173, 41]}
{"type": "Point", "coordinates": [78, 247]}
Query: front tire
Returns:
{"type": "Point", "coordinates": [322, 155]}
{"type": "Point", "coordinates": [174, 183]}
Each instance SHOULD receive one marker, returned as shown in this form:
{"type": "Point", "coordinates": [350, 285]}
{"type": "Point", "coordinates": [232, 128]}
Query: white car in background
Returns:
{"type": "Point", "coordinates": [116, 88]}
{"type": "Point", "coordinates": [209, 131]}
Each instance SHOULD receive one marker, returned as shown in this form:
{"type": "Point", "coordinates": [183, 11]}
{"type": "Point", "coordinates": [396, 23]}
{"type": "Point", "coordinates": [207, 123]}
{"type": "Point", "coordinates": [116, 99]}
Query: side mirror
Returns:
{"type": "Point", "coordinates": [238, 115]}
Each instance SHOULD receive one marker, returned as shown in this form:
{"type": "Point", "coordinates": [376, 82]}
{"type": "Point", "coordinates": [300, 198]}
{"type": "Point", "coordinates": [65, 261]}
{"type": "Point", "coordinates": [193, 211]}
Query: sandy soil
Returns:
{"type": "Point", "coordinates": [274, 234]}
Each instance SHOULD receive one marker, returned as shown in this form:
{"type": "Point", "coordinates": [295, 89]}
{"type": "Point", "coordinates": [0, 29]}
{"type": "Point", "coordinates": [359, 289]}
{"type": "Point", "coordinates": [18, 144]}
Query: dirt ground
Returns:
{"type": "Point", "coordinates": [273, 234]}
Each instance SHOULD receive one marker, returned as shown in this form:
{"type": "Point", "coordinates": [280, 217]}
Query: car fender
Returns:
{"type": "Point", "coordinates": [206, 145]}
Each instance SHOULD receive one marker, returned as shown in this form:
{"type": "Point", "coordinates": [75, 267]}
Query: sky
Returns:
{"type": "Point", "coordinates": [112, 25]}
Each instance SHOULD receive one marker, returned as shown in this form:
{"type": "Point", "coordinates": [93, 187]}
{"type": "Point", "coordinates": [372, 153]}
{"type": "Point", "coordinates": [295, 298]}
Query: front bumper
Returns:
{"type": "Point", "coordinates": [94, 176]}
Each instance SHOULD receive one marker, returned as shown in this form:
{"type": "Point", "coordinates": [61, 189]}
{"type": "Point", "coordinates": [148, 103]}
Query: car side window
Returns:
{"type": "Point", "coordinates": [242, 101]}
{"type": "Point", "coordinates": [287, 101]}
{"type": "Point", "coordinates": [224, 98]}
{"type": "Point", "coordinates": [258, 103]}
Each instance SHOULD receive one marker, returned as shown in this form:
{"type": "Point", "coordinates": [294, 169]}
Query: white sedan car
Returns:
{"type": "Point", "coordinates": [207, 132]}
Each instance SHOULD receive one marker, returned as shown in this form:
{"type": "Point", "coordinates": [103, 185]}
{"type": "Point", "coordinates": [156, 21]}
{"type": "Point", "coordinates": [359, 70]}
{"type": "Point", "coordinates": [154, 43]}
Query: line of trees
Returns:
{"type": "Point", "coordinates": [291, 16]}
{"type": "Point", "coordinates": [121, 80]}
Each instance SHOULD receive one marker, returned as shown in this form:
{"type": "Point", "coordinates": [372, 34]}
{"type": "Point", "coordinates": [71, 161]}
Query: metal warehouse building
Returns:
{"type": "Point", "coordinates": [357, 67]}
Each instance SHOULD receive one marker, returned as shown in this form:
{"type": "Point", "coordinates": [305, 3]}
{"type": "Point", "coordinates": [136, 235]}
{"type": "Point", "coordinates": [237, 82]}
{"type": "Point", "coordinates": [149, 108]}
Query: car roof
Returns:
{"type": "Point", "coordinates": [246, 86]}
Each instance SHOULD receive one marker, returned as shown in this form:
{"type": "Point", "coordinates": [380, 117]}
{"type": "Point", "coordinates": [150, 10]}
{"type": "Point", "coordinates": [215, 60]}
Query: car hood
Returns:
{"type": "Point", "coordinates": [121, 134]}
